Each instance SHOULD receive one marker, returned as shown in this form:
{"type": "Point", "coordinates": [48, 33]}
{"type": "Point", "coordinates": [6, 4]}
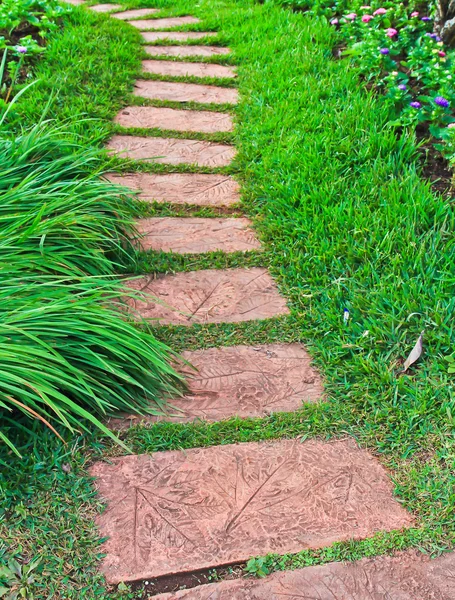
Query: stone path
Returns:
{"type": "Point", "coordinates": [180, 511]}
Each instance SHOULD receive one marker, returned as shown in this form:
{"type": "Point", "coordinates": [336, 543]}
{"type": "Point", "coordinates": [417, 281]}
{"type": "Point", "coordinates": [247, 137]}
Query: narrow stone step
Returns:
{"type": "Point", "coordinates": [104, 8]}
{"type": "Point", "coordinates": [184, 69]}
{"type": "Point", "coordinates": [210, 296]}
{"type": "Point", "coordinates": [180, 51]}
{"type": "Point", "coordinates": [405, 576]}
{"type": "Point", "coordinates": [166, 23]}
{"type": "Point", "coordinates": [242, 381]}
{"type": "Point", "coordinates": [182, 188]}
{"type": "Point", "coordinates": [136, 13]}
{"type": "Point", "coordinates": [75, 2]}
{"type": "Point", "coordinates": [181, 511]}
{"type": "Point", "coordinates": [149, 117]}
{"type": "Point", "coordinates": [185, 92]}
{"type": "Point", "coordinates": [176, 36]}
{"type": "Point", "coordinates": [172, 151]}
{"type": "Point", "coordinates": [197, 235]}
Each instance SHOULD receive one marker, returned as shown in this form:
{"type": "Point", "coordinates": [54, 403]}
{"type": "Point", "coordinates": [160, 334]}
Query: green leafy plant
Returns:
{"type": "Point", "coordinates": [257, 567]}
{"type": "Point", "coordinates": [16, 579]}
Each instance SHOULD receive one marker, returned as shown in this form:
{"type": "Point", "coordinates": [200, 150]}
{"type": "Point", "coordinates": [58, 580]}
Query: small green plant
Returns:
{"type": "Point", "coordinates": [16, 579]}
{"type": "Point", "coordinates": [257, 567]}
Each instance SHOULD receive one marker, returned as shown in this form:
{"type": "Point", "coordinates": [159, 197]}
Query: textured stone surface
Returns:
{"type": "Point", "coordinates": [104, 8]}
{"type": "Point", "coordinates": [183, 69]}
{"type": "Point", "coordinates": [245, 381]}
{"type": "Point", "coordinates": [182, 188]}
{"type": "Point", "coordinates": [185, 50]}
{"type": "Point", "coordinates": [172, 151]}
{"type": "Point", "coordinates": [75, 2]}
{"type": "Point", "coordinates": [178, 120]}
{"type": "Point", "coordinates": [185, 92]}
{"type": "Point", "coordinates": [136, 13]}
{"type": "Point", "coordinates": [177, 36]}
{"type": "Point", "coordinates": [406, 576]}
{"type": "Point", "coordinates": [211, 296]}
{"type": "Point", "coordinates": [186, 510]}
{"type": "Point", "coordinates": [197, 235]}
{"type": "Point", "coordinates": [164, 23]}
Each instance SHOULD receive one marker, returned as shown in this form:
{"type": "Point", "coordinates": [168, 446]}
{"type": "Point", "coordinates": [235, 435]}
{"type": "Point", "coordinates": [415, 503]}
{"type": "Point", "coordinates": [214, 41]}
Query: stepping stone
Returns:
{"type": "Point", "coordinates": [172, 151]}
{"type": "Point", "coordinates": [183, 69]}
{"type": "Point", "coordinates": [149, 117]}
{"type": "Point", "coordinates": [197, 235]}
{"type": "Point", "coordinates": [186, 50]}
{"type": "Point", "coordinates": [104, 8]}
{"type": "Point", "coordinates": [182, 188]}
{"type": "Point", "coordinates": [164, 23]}
{"type": "Point", "coordinates": [185, 92]}
{"type": "Point", "coordinates": [136, 13]}
{"type": "Point", "coordinates": [176, 36]}
{"type": "Point", "coordinates": [242, 381]}
{"type": "Point", "coordinates": [181, 511]}
{"type": "Point", "coordinates": [210, 296]}
{"type": "Point", "coordinates": [405, 576]}
{"type": "Point", "coordinates": [75, 2]}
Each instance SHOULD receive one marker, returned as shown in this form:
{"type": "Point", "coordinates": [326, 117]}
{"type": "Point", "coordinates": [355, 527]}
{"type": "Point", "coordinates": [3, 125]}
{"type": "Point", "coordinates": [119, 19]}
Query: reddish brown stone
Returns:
{"type": "Point", "coordinates": [172, 151]}
{"type": "Point", "coordinates": [149, 117]}
{"type": "Point", "coordinates": [104, 8]}
{"type": "Point", "coordinates": [182, 188]}
{"type": "Point", "coordinates": [136, 13]}
{"type": "Point", "coordinates": [406, 576]}
{"type": "Point", "coordinates": [177, 36]}
{"type": "Point", "coordinates": [164, 23]}
{"type": "Point", "coordinates": [185, 50]}
{"type": "Point", "coordinates": [183, 69]}
{"type": "Point", "coordinates": [242, 381]}
{"type": "Point", "coordinates": [185, 92]}
{"type": "Point", "coordinates": [186, 510]}
{"type": "Point", "coordinates": [210, 296]}
{"type": "Point", "coordinates": [197, 235]}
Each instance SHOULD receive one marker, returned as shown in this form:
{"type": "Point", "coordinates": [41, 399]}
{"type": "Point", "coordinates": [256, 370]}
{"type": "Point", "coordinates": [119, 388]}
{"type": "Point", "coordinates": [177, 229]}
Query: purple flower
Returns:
{"type": "Point", "coordinates": [415, 104]}
{"type": "Point", "coordinates": [402, 87]}
{"type": "Point", "coordinates": [434, 36]}
{"type": "Point", "coordinates": [441, 101]}
{"type": "Point", "coordinates": [21, 49]}
{"type": "Point", "coordinates": [425, 19]}
{"type": "Point", "coordinates": [384, 51]}
{"type": "Point", "coordinates": [334, 22]}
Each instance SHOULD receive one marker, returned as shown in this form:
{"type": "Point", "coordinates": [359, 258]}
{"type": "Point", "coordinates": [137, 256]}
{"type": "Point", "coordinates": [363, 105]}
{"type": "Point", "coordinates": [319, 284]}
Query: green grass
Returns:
{"type": "Point", "coordinates": [347, 222]}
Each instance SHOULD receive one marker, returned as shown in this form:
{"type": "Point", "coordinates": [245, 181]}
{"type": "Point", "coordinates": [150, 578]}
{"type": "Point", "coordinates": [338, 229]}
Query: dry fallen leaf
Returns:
{"type": "Point", "coordinates": [415, 353]}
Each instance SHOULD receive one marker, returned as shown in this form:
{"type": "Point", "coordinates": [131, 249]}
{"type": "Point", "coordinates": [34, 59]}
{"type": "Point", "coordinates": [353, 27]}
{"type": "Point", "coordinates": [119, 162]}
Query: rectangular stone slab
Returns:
{"type": "Point", "coordinates": [164, 23]}
{"type": "Point", "coordinates": [177, 36]}
{"type": "Point", "coordinates": [172, 151]}
{"type": "Point", "coordinates": [184, 69]}
{"type": "Point", "coordinates": [185, 92]}
{"type": "Point", "coordinates": [211, 296]}
{"type": "Point", "coordinates": [104, 8]}
{"type": "Point", "coordinates": [182, 188]}
{"type": "Point", "coordinates": [180, 511]}
{"type": "Point", "coordinates": [136, 13]}
{"type": "Point", "coordinates": [405, 576]}
{"type": "Point", "coordinates": [185, 50]}
{"type": "Point", "coordinates": [242, 381]}
{"type": "Point", "coordinates": [196, 235]}
{"type": "Point", "coordinates": [149, 117]}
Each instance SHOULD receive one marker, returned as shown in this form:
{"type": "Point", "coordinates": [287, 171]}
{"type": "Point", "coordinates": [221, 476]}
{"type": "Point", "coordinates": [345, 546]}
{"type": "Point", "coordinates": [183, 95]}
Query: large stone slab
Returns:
{"type": "Point", "coordinates": [136, 13]}
{"type": "Point", "coordinates": [242, 381]}
{"type": "Point", "coordinates": [406, 576]}
{"type": "Point", "coordinates": [149, 117]}
{"type": "Point", "coordinates": [166, 23]}
{"type": "Point", "coordinates": [177, 36]}
{"type": "Point", "coordinates": [210, 296]}
{"type": "Point", "coordinates": [180, 51]}
{"type": "Point", "coordinates": [105, 8]}
{"type": "Point", "coordinates": [185, 92]}
{"type": "Point", "coordinates": [183, 69]}
{"type": "Point", "coordinates": [186, 510]}
{"type": "Point", "coordinates": [172, 151]}
{"type": "Point", "coordinates": [196, 235]}
{"type": "Point", "coordinates": [182, 188]}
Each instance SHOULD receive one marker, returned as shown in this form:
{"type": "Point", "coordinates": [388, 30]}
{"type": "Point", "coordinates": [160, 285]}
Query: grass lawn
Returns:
{"type": "Point", "coordinates": [346, 221]}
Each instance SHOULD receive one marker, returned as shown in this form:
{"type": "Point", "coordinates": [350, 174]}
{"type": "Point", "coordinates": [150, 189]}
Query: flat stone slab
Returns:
{"type": "Point", "coordinates": [242, 381]}
{"type": "Point", "coordinates": [185, 92]}
{"type": "Point", "coordinates": [197, 235]}
{"type": "Point", "coordinates": [183, 69]}
{"type": "Point", "coordinates": [186, 50]}
{"type": "Point", "coordinates": [172, 151]}
{"type": "Point", "coordinates": [75, 2]}
{"type": "Point", "coordinates": [182, 188]}
{"type": "Point", "coordinates": [405, 576]}
{"type": "Point", "coordinates": [149, 117]}
{"type": "Point", "coordinates": [164, 23]}
{"type": "Point", "coordinates": [104, 8]}
{"type": "Point", "coordinates": [177, 36]}
{"type": "Point", "coordinates": [180, 511]}
{"type": "Point", "coordinates": [136, 13]}
{"type": "Point", "coordinates": [211, 296]}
